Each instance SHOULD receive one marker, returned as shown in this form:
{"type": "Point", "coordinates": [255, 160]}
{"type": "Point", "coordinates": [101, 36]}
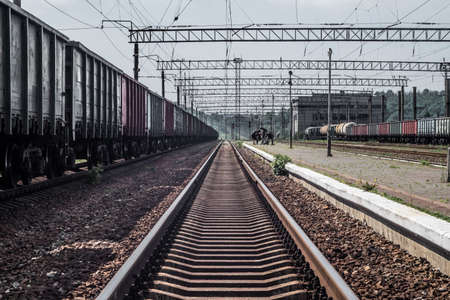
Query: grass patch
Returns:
{"type": "Point", "coordinates": [279, 164]}
{"type": "Point", "coordinates": [95, 175]}
{"type": "Point", "coordinates": [424, 163]}
{"type": "Point", "coordinates": [394, 167]}
{"type": "Point", "coordinates": [239, 144]}
{"type": "Point", "coordinates": [368, 187]}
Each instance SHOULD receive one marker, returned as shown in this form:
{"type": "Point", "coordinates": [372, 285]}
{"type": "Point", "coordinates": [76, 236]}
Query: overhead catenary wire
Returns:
{"type": "Point", "coordinates": [398, 22]}
{"type": "Point", "coordinates": [70, 16]}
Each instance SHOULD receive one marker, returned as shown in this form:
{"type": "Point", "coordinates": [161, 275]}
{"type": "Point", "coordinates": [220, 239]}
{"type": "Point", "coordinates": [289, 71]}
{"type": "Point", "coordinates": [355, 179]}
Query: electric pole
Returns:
{"type": "Point", "coordinates": [330, 52]}
{"type": "Point", "coordinates": [136, 61]}
{"type": "Point", "coordinates": [292, 112]}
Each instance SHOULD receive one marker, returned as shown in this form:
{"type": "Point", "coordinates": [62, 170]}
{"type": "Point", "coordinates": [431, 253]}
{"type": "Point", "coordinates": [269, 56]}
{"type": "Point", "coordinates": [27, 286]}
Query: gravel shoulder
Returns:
{"type": "Point", "coordinates": [374, 267]}
{"type": "Point", "coordinates": [70, 243]}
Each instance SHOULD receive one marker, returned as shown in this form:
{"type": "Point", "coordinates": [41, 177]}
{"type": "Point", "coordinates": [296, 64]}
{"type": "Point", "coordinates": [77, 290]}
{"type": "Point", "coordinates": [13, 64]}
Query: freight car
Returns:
{"type": "Point", "coordinates": [312, 133]}
{"type": "Point", "coordinates": [60, 102]}
{"type": "Point", "coordinates": [422, 131]}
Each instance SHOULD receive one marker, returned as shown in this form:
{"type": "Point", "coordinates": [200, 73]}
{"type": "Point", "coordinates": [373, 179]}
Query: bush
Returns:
{"type": "Point", "coordinates": [369, 187]}
{"type": "Point", "coordinates": [279, 164]}
{"type": "Point", "coordinates": [94, 175]}
{"type": "Point", "coordinates": [239, 144]}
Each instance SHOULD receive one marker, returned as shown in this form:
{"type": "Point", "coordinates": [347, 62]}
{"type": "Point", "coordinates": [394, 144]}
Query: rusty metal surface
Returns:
{"type": "Point", "coordinates": [227, 245]}
{"type": "Point", "coordinates": [228, 242]}
{"type": "Point", "coordinates": [329, 278]}
{"type": "Point", "coordinates": [123, 280]}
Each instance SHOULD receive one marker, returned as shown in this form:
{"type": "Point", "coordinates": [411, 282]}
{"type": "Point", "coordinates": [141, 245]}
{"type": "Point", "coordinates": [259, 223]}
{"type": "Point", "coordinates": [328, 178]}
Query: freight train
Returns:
{"type": "Point", "coordinates": [60, 102]}
{"type": "Point", "coordinates": [422, 131]}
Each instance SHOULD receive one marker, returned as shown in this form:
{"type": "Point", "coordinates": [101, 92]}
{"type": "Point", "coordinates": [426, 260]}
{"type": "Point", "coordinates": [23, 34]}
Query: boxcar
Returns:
{"type": "Point", "coordinates": [442, 130]}
{"type": "Point", "coordinates": [93, 105]}
{"type": "Point", "coordinates": [395, 131]}
{"type": "Point", "coordinates": [168, 118]}
{"type": "Point", "coordinates": [384, 129]}
{"type": "Point", "coordinates": [409, 131]}
{"type": "Point", "coordinates": [360, 131]}
{"type": "Point", "coordinates": [134, 103]}
{"type": "Point", "coordinates": [32, 109]}
{"type": "Point", "coordinates": [312, 133]}
{"type": "Point", "coordinates": [426, 129]}
{"type": "Point", "coordinates": [373, 130]}
{"type": "Point", "coordinates": [60, 101]}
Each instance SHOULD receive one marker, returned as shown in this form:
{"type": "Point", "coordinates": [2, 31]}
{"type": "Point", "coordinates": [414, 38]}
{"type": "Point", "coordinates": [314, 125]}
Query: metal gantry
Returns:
{"type": "Point", "coordinates": [267, 92]}
{"type": "Point", "coordinates": [296, 81]}
{"type": "Point", "coordinates": [264, 33]}
{"type": "Point", "coordinates": [301, 64]}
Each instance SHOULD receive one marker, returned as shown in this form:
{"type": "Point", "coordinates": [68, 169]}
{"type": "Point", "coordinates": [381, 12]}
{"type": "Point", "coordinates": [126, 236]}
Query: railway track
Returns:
{"type": "Point", "coordinates": [8, 196]}
{"type": "Point", "coordinates": [226, 237]}
{"type": "Point", "coordinates": [410, 155]}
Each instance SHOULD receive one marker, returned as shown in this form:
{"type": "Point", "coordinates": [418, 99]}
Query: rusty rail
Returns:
{"type": "Point", "coordinates": [121, 283]}
{"type": "Point", "coordinates": [336, 286]}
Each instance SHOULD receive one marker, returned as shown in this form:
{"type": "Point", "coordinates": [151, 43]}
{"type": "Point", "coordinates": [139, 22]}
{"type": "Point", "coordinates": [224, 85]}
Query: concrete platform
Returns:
{"type": "Point", "coordinates": [417, 232]}
{"type": "Point", "coordinates": [417, 184]}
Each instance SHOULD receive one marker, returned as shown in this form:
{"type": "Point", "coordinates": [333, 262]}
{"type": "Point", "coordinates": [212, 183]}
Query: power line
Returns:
{"type": "Point", "coordinates": [70, 16]}
{"type": "Point", "coordinates": [397, 23]}
{"type": "Point", "coordinates": [117, 48]}
{"type": "Point", "coordinates": [244, 12]}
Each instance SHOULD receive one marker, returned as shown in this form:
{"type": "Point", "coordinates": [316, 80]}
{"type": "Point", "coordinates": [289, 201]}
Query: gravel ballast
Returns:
{"type": "Point", "coordinates": [374, 267]}
{"type": "Point", "coordinates": [69, 244]}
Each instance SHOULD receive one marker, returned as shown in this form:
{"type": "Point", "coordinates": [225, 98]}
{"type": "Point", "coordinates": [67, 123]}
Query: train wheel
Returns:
{"type": "Point", "coordinates": [60, 162]}
{"type": "Point", "coordinates": [26, 172]}
{"type": "Point", "coordinates": [12, 162]}
{"type": "Point", "coordinates": [105, 159]}
{"type": "Point", "coordinates": [89, 156]}
{"type": "Point", "coordinates": [50, 163]}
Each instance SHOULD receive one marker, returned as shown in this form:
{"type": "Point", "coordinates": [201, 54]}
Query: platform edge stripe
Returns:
{"type": "Point", "coordinates": [428, 231]}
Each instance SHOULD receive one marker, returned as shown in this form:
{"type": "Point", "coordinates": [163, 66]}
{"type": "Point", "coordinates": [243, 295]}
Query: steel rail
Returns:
{"type": "Point", "coordinates": [126, 280]}
{"type": "Point", "coordinates": [120, 284]}
{"type": "Point", "coordinates": [336, 287]}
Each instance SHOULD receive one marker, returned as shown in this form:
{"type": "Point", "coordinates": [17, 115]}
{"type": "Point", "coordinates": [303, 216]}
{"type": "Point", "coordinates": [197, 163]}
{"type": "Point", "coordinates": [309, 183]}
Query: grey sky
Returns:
{"type": "Point", "coordinates": [213, 12]}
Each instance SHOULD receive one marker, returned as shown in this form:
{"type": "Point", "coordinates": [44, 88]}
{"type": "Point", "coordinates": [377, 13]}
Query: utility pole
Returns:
{"type": "Point", "coordinates": [330, 52]}
{"type": "Point", "coordinates": [163, 84]}
{"type": "Point", "coordinates": [237, 62]}
{"type": "Point", "coordinates": [178, 95]}
{"type": "Point", "coordinates": [271, 115]}
{"type": "Point", "coordinates": [399, 105]}
{"type": "Point", "coordinates": [136, 62]}
{"type": "Point", "coordinates": [383, 107]}
{"type": "Point", "coordinates": [184, 92]}
{"type": "Point", "coordinates": [262, 114]}
{"type": "Point", "coordinates": [444, 67]}
{"type": "Point", "coordinates": [403, 103]}
{"type": "Point", "coordinates": [414, 103]}
{"type": "Point", "coordinates": [292, 111]}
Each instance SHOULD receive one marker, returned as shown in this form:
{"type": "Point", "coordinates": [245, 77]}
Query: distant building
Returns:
{"type": "Point", "coordinates": [313, 110]}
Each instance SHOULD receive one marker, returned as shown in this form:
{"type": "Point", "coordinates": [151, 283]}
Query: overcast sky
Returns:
{"type": "Point", "coordinates": [214, 12]}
